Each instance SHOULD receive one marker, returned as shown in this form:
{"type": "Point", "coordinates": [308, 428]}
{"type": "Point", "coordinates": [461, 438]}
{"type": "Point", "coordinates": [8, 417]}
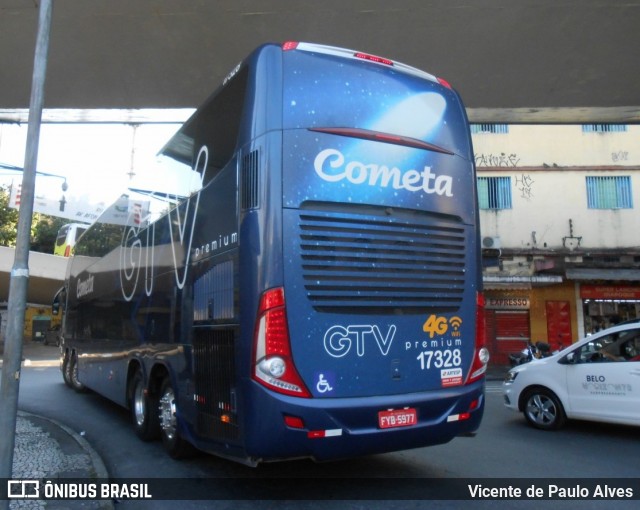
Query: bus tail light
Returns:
{"type": "Point", "coordinates": [293, 422]}
{"type": "Point", "coordinates": [444, 83]}
{"type": "Point", "coordinates": [373, 58]}
{"type": "Point", "coordinates": [273, 363]}
{"type": "Point", "coordinates": [480, 353]}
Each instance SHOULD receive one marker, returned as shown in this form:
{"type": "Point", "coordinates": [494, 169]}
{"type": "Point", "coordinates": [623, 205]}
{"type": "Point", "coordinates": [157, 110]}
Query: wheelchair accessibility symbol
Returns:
{"type": "Point", "coordinates": [323, 385]}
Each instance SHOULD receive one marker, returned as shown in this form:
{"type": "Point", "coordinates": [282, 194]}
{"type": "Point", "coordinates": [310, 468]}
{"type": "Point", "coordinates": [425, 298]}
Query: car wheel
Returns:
{"type": "Point", "coordinates": [543, 409]}
{"type": "Point", "coordinates": [172, 440]}
{"type": "Point", "coordinates": [143, 407]}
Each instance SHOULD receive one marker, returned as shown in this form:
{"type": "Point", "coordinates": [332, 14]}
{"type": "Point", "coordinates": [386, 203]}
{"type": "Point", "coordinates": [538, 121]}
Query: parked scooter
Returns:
{"type": "Point", "coordinates": [530, 352]}
{"type": "Point", "coordinates": [522, 357]}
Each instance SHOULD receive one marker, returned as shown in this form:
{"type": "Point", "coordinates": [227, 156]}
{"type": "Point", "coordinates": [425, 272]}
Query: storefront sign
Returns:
{"type": "Point", "coordinates": [507, 303]}
{"type": "Point", "coordinates": [610, 292]}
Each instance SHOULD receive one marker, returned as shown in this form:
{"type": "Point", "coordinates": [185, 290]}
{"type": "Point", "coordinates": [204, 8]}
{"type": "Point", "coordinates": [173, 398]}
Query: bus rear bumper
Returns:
{"type": "Point", "coordinates": [328, 429]}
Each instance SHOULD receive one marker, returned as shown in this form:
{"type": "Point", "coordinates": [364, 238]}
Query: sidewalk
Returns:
{"type": "Point", "coordinates": [45, 448]}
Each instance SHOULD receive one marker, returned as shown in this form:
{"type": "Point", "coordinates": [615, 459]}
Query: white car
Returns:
{"type": "Point", "coordinates": [597, 378]}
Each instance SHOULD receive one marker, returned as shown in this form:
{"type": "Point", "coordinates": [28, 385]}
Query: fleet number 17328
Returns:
{"type": "Point", "coordinates": [447, 358]}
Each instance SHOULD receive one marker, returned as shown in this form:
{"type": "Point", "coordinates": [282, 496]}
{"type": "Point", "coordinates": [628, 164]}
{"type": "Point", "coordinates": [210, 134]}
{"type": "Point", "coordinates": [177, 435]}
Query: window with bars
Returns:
{"type": "Point", "coordinates": [604, 128]}
{"type": "Point", "coordinates": [494, 192]}
{"type": "Point", "coordinates": [609, 192]}
{"type": "Point", "coordinates": [500, 129]}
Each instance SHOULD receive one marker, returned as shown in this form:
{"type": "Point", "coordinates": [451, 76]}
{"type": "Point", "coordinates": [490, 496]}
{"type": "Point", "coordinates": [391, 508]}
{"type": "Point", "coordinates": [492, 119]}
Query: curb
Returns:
{"type": "Point", "coordinates": [97, 470]}
{"type": "Point", "coordinates": [96, 461]}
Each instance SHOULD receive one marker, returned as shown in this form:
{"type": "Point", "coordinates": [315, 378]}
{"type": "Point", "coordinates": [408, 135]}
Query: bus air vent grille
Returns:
{"type": "Point", "coordinates": [382, 261]}
{"type": "Point", "coordinates": [250, 180]}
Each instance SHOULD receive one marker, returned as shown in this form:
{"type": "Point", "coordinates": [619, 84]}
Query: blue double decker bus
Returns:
{"type": "Point", "coordinates": [310, 286]}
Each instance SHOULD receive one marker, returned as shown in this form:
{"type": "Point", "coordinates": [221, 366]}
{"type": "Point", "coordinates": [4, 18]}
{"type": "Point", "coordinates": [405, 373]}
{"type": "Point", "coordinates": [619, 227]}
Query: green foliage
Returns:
{"type": "Point", "coordinates": [44, 229]}
{"type": "Point", "coordinates": [8, 220]}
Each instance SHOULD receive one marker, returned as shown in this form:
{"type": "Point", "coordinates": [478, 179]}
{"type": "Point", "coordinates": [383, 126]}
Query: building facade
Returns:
{"type": "Point", "coordinates": [560, 230]}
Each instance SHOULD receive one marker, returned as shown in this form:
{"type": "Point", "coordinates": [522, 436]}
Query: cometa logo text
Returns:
{"type": "Point", "coordinates": [84, 287]}
{"type": "Point", "coordinates": [331, 166]}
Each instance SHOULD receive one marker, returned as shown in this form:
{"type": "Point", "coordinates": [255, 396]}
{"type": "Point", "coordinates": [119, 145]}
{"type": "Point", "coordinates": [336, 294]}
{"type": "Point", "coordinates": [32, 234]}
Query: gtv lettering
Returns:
{"type": "Point", "coordinates": [340, 340]}
{"type": "Point", "coordinates": [134, 257]}
{"type": "Point", "coordinates": [331, 166]}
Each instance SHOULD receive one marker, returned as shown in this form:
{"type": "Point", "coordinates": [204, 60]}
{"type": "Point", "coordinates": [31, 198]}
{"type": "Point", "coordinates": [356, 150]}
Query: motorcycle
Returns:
{"type": "Point", "coordinates": [522, 357]}
{"type": "Point", "coordinates": [529, 353]}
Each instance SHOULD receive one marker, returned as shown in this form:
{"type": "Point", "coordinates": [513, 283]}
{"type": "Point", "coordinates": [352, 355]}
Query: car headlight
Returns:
{"type": "Point", "coordinates": [510, 377]}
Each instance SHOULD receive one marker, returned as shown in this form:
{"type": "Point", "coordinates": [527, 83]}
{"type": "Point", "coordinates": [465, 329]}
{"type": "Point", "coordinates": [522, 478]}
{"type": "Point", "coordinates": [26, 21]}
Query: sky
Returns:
{"type": "Point", "coordinates": [98, 161]}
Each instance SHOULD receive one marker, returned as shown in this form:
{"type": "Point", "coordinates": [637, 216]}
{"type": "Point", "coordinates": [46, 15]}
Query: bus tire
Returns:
{"type": "Point", "coordinates": [143, 407]}
{"type": "Point", "coordinates": [173, 442]}
{"type": "Point", "coordinates": [66, 375]}
{"type": "Point", "coordinates": [73, 374]}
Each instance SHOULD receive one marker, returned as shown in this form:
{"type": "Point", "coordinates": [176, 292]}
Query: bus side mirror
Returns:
{"type": "Point", "coordinates": [55, 305]}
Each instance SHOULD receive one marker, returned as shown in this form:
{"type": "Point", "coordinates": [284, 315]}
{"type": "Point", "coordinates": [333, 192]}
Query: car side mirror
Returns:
{"type": "Point", "coordinates": [570, 359]}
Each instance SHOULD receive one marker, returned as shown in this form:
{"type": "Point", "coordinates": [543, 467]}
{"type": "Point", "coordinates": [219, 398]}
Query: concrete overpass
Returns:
{"type": "Point", "coordinates": [512, 60]}
{"type": "Point", "coordinates": [46, 275]}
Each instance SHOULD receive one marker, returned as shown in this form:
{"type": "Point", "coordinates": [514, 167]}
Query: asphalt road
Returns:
{"type": "Point", "coordinates": [506, 447]}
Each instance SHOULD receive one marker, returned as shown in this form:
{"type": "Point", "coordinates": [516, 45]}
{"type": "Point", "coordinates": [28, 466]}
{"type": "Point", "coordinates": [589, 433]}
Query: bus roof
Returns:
{"type": "Point", "coordinates": [347, 53]}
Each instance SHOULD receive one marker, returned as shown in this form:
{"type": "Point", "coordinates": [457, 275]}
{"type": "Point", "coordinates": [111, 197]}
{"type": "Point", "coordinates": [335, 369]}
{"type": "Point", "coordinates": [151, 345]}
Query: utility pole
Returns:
{"type": "Point", "coordinates": [20, 270]}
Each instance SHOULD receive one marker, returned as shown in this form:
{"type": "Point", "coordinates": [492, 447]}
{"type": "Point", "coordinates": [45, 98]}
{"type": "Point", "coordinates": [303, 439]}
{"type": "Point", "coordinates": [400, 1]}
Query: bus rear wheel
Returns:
{"type": "Point", "coordinates": [66, 374]}
{"type": "Point", "coordinates": [172, 440]}
{"type": "Point", "coordinates": [72, 367]}
{"type": "Point", "coordinates": [143, 406]}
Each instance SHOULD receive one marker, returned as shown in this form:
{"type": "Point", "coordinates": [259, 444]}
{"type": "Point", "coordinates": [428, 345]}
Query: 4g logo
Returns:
{"type": "Point", "coordinates": [439, 325]}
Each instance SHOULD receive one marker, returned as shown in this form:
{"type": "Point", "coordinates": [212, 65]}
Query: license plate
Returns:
{"type": "Point", "coordinates": [397, 418]}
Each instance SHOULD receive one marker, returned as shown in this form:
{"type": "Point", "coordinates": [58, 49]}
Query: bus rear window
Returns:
{"type": "Point", "coordinates": [369, 96]}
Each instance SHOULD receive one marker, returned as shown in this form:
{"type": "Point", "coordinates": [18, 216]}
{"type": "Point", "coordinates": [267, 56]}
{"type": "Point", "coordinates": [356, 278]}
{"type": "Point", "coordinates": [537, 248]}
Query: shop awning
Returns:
{"type": "Point", "coordinates": [591, 274]}
{"type": "Point", "coordinates": [522, 282]}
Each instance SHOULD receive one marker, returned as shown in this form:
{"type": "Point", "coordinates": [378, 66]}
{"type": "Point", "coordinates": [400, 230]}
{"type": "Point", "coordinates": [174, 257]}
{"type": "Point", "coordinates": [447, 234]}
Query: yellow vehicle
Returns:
{"type": "Point", "coordinates": [67, 237]}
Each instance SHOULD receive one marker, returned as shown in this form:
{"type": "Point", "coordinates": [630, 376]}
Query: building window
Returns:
{"type": "Point", "coordinates": [604, 128]}
{"type": "Point", "coordinates": [609, 192]}
{"type": "Point", "coordinates": [500, 129]}
{"type": "Point", "coordinates": [494, 192]}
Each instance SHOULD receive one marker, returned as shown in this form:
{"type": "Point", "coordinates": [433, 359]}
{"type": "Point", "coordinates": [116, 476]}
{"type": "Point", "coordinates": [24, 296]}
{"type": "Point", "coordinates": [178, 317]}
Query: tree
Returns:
{"type": "Point", "coordinates": [8, 220]}
{"type": "Point", "coordinates": [44, 229]}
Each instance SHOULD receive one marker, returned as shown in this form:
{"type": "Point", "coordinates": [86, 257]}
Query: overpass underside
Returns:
{"type": "Point", "coordinates": [514, 61]}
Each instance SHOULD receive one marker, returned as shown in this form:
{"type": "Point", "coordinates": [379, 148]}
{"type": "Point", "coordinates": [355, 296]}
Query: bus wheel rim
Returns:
{"type": "Point", "coordinates": [168, 413]}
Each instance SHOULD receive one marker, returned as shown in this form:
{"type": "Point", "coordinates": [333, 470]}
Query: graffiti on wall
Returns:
{"type": "Point", "coordinates": [619, 156]}
{"type": "Point", "coordinates": [497, 160]}
{"type": "Point", "coordinates": [524, 184]}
